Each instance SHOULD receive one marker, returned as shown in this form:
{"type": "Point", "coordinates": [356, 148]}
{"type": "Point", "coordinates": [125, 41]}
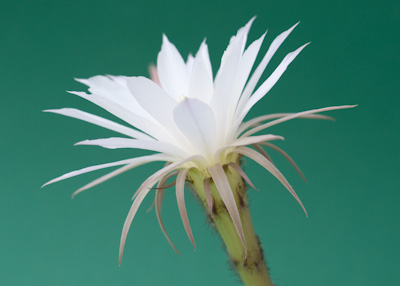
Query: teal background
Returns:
{"type": "Point", "coordinates": [352, 195]}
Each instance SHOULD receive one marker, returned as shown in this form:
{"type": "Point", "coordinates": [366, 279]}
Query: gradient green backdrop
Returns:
{"type": "Point", "coordinates": [352, 234]}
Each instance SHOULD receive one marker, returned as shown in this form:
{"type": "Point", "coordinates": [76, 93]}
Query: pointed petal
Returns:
{"type": "Point", "coordinates": [292, 116]}
{"type": "Point", "coordinates": [180, 197]}
{"type": "Point", "coordinates": [128, 221]}
{"type": "Point", "coordinates": [222, 184]}
{"type": "Point", "coordinates": [238, 40]}
{"type": "Point", "coordinates": [203, 53]}
{"type": "Point", "coordinates": [261, 67]}
{"type": "Point", "coordinates": [141, 194]}
{"type": "Point", "coordinates": [242, 174]}
{"type": "Point", "coordinates": [224, 82]}
{"type": "Point", "coordinates": [143, 123]}
{"type": "Point", "coordinates": [150, 158]}
{"type": "Point", "coordinates": [201, 84]}
{"type": "Point", "coordinates": [255, 121]}
{"type": "Point", "coordinates": [244, 69]}
{"type": "Point", "coordinates": [158, 204]}
{"type": "Point", "coordinates": [107, 177]}
{"type": "Point", "coordinates": [100, 121]}
{"type": "Point", "coordinates": [270, 82]}
{"type": "Point", "coordinates": [118, 142]}
{"type": "Point", "coordinates": [284, 154]}
{"type": "Point", "coordinates": [189, 64]}
{"type": "Point", "coordinates": [262, 152]}
{"type": "Point", "coordinates": [172, 70]}
{"type": "Point", "coordinates": [257, 157]}
{"type": "Point", "coordinates": [225, 79]}
{"type": "Point", "coordinates": [243, 141]}
{"type": "Point", "coordinates": [114, 89]}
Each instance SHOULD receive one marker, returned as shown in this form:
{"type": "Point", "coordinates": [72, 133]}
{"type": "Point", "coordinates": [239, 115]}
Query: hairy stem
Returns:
{"type": "Point", "coordinates": [251, 269]}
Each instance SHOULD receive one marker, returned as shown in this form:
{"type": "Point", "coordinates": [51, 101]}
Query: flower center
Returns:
{"type": "Point", "coordinates": [181, 97]}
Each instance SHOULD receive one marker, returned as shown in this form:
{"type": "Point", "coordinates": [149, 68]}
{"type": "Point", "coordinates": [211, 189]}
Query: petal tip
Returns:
{"type": "Point", "coordinates": [294, 26]}
{"type": "Point", "coordinates": [165, 39]}
{"type": "Point", "coordinates": [84, 142]}
{"type": "Point", "coordinates": [48, 183]}
{"type": "Point", "coordinates": [82, 80]}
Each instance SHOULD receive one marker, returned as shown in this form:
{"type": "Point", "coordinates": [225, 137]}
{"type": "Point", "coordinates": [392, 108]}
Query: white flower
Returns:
{"type": "Point", "coordinates": [189, 119]}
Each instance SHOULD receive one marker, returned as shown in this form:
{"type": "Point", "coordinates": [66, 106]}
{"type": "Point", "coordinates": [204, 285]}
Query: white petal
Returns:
{"type": "Point", "coordinates": [244, 69]}
{"type": "Point", "coordinates": [270, 82]}
{"type": "Point", "coordinates": [237, 40]}
{"type": "Point", "coordinates": [114, 88]}
{"type": "Point", "coordinates": [243, 141]}
{"type": "Point", "coordinates": [292, 116]}
{"type": "Point", "coordinates": [157, 103]}
{"type": "Point", "coordinates": [151, 97]}
{"type": "Point", "coordinates": [120, 79]}
{"type": "Point", "coordinates": [221, 182]}
{"type": "Point", "coordinates": [253, 122]}
{"type": "Point", "coordinates": [148, 126]}
{"type": "Point", "coordinates": [223, 85]}
{"type": "Point", "coordinates": [116, 142]}
{"type": "Point", "coordinates": [257, 157]}
{"type": "Point", "coordinates": [100, 121]}
{"type": "Point", "coordinates": [205, 57]}
{"type": "Point", "coordinates": [261, 67]}
{"type": "Point", "coordinates": [196, 120]}
{"type": "Point", "coordinates": [107, 177]}
{"type": "Point", "coordinates": [201, 82]}
{"type": "Point", "coordinates": [225, 80]}
{"type": "Point", "coordinates": [245, 31]}
{"type": "Point", "coordinates": [150, 158]}
{"type": "Point", "coordinates": [180, 197]}
{"type": "Point", "coordinates": [189, 64]}
{"type": "Point", "coordinates": [172, 70]}
{"type": "Point", "coordinates": [255, 139]}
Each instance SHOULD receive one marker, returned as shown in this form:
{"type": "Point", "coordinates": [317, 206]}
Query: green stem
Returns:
{"type": "Point", "coordinates": [252, 269]}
